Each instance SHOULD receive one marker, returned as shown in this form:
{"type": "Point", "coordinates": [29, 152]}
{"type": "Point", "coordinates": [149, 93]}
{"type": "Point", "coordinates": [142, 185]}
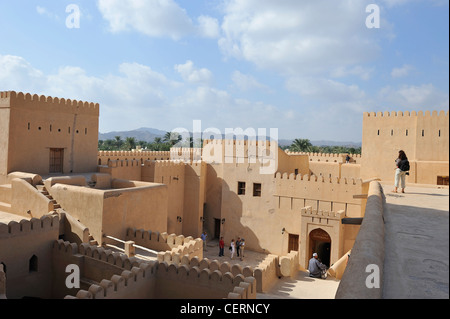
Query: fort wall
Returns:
{"type": "Point", "coordinates": [38, 124]}
{"type": "Point", "coordinates": [25, 252]}
{"type": "Point", "coordinates": [141, 156]}
{"type": "Point", "coordinates": [133, 279]}
{"type": "Point", "coordinates": [319, 192]}
{"type": "Point", "coordinates": [424, 136]}
{"type": "Point", "coordinates": [368, 250]}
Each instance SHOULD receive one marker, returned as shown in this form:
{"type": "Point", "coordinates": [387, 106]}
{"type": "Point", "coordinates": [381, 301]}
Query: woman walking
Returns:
{"type": "Point", "coordinates": [232, 248]}
{"type": "Point", "coordinates": [402, 169]}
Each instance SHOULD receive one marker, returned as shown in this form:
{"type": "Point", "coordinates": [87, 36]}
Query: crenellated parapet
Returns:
{"type": "Point", "coordinates": [309, 179]}
{"type": "Point", "coordinates": [26, 100]}
{"type": "Point", "coordinates": [328, 215]}
{"type": "Point", "coordinates": [226, 284]}
{"type": "Point", "coordinates": [27, 227]}
{"type": "Point", "coordinates": [171, 247]}
{"type": "Point", "coordinates": [418, 114]}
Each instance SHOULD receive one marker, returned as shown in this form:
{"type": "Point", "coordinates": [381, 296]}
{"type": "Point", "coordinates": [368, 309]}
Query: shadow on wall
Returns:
{"type": "Point", "coordinates": [233, 226]}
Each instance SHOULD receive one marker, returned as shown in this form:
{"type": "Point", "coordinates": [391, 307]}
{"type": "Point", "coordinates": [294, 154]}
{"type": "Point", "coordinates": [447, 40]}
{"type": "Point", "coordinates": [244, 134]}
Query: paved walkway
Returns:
{"type": "Point", "coordinates": [416, 243]}
{"type": "Point", "coordinates": [299, 287]}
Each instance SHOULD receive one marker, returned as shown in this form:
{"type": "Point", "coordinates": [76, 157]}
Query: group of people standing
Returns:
{"type": "Point", "coordinates": [236, 248]}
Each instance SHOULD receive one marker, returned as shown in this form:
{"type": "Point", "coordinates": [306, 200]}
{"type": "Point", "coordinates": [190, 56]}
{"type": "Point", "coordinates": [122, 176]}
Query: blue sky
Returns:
{"type": "Point", "coordinates": [308, 68]}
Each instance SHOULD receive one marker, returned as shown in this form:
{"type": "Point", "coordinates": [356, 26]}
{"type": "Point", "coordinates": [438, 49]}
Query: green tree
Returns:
{"type": "Point", "coordinates": [301, 145]}
{"type": "Point", "coordinates": [130, 143]}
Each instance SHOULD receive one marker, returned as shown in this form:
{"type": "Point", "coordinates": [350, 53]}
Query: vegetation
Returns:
{"type": "Point", "coordinates": [170, 139]}
{"type": "Point", "coordinates": [130, 143]}
{"type": "Point", "coordinates": [304, 145]}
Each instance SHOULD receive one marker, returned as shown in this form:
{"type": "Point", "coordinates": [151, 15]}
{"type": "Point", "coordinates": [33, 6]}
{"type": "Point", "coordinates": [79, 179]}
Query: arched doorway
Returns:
{"type": "Point", "coordinates": [320, 243]}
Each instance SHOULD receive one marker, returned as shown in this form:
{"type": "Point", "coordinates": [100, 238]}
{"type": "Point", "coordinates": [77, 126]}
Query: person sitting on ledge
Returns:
{"type": "Point", "coordinates": [315, 267]}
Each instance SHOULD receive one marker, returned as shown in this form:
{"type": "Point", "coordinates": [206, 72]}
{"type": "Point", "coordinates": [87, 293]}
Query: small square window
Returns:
{"type": "Point", "coordinates": [241, 188]}
{"type": "Point", "coordinates": [257, 190]}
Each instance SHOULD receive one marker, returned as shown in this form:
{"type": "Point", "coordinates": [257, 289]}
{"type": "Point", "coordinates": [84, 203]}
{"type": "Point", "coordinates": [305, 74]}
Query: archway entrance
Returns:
{"type": "Point", "coordinates": [320, 243]}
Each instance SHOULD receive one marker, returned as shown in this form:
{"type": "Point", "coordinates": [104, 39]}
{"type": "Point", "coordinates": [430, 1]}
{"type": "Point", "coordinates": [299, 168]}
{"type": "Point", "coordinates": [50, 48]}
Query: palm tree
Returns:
{"type": "Point", "coordinates": [118, 142]}
{"type": "Point", "coordinates": [130, 143]}
{"type": "Point", "coordinates": [301, 145]}
{"type": "Point", "coordinates": [172, 138]}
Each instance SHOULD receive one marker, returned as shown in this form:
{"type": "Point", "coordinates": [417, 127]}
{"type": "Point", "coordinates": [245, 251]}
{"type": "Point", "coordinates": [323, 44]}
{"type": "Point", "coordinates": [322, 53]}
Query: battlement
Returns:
{"type": "Point", "coordinates": [317, 179]}
{"type": "Point", "coordinates": [262, 143]}
{"type": "Point", "coordinates": [235, 286]}
{"type": "Point", "coordinates": [123, 163]}
{"type": "Point", "coordinates": [24, 100]}
{"type": "Point", "coordinates": [25, 227]}
{"type": "Point", "coordinates": [135, 154]}
{"type": "Point", "coordinates": [406, 114]}
{"type": "Point", "coordinates": [332, 156]}
{"type": "Point", "coordinates": [172, 248]}
{"type": "Point", "coordinates": [309, 212]}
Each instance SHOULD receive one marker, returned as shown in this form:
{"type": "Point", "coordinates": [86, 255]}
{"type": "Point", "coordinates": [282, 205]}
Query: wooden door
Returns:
{"type": "Point", "coordinates": [293, 242]}
{"type": "Point", "coordinates": [56, 160]}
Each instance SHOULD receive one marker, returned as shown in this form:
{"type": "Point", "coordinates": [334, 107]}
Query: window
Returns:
{"type": "Point", "coordinates": [423, 133]}
{"type": "Point", "coordinates": [257, 190]}
{"type": "Point", "coordinates": [241, 188]}
{"type": "Point", "coordinates": [406, 132]}
{"type": "Point", "coordinates": [378, 132]}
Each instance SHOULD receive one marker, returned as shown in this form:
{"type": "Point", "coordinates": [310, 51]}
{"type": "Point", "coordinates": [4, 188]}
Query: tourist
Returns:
{"type": "Point", "coordinates": [241, 248]}
{"type": "Point", "coordinates": [401, 170]}
{"type": "Point", "coordinates": [315, 267]}
{"type": "Point", "coordinates": [204, 236]}
{"type": "Point", "coordinates": [238, 246]}
{"type": "Point", "coordinates": [347, 159]}
{"type": "Point", "coordinates": [232, 248]}
{"type": "Point", "coordinates": [221, 247]}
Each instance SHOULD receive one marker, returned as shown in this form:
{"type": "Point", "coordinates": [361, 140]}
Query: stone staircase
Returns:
{"type": "Point", "coordinates": [43, 191]}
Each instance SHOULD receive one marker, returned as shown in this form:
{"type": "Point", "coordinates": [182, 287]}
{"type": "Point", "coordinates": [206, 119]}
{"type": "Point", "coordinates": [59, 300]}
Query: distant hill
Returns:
{"type": "Point", "coordinates": [142, 134]}
{"type": "Point", "coordinates": [149, 134]}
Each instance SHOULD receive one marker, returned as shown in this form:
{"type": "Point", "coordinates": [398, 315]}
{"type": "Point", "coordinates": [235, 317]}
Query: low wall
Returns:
{"type": "Point", "coordinates": [338, 268]}
{"type": "Point", "coordinates": [134, 279]}
{"type": "Point", "coordinates": [36, 203]}
{"type": "Point", "coordinates": [368, 250]}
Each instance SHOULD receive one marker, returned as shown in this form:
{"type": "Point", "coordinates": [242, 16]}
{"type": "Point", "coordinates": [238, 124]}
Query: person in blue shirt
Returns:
{"type": "Point", "coordinates": [315, 267]}
{"type": "Point", "coordinates": [203, 237]}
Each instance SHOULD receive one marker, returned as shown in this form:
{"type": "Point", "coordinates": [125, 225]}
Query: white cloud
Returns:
{"type": "Point", "coordinates": [45, 12]}
{"type": "Point", "coordinates": [193, 75]}
{"type": "Point", "coordinates": [298, 37]}
{"type": "Point", "coordinates": [415, 97]}
{"type": "Point", "coordinates": [245, 82]}
{"type": "Point", "coordinates": [155, 18]}
{"type": "Point", "coordinates": [138, 96]}
{"type": "Point", "coordinates": [402, 71]}
{"type": "Point", "coordinates": [208, 27]}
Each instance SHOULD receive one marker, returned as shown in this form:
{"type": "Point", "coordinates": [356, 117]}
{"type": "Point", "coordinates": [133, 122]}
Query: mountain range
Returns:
{"type": "Point", "coordinates": [149, 134]}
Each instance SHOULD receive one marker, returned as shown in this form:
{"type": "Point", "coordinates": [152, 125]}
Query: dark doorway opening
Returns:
{"type": "Point", "coordinates": [216, 228]}
{"type": "Point", "coordinates": [320, 243]}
